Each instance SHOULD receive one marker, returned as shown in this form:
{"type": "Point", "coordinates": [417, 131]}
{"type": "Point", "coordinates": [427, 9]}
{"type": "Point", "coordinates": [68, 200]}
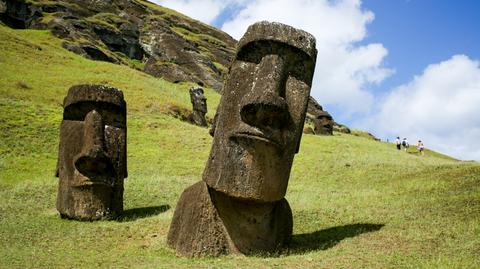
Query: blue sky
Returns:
{"type": "Point", "coordinates": [393, 68]}
{"type": "Point", "coordinates": [420, 32]}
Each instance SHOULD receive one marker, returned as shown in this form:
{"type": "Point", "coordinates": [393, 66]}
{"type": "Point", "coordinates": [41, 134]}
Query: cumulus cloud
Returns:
{"type": "Point", "coordinates": [344, 70]}
{"type": "Point", "coordinates": [202, 10]}
{"type": "Point", "coordinates": [440, 107]}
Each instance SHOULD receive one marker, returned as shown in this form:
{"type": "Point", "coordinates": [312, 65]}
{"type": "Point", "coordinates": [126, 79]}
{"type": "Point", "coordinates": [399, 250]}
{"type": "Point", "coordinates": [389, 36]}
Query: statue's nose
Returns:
{"type": "Point", "coordinates": [265, 106]}
{"type": "Point", "coordinates": [92, 160]}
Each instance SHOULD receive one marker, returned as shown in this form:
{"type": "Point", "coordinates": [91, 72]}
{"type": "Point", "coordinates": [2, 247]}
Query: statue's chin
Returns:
{"type": "Point", "coordinates": [254, 169]}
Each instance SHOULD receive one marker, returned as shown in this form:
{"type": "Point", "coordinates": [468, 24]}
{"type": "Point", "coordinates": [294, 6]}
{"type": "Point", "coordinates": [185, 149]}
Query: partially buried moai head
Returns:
{"type": "Point", "coordinates": [92, 161]}
{"type": "Point", "coordinates": [323, 123]}
{"type": "Point", "coordinates": [262, 112]}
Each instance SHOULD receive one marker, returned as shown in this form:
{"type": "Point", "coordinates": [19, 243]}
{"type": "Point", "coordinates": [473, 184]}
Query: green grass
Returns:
{"type": "Point", "coordinates": [357, 203]}
{"type": "Point", "coordinates": [107, 19]}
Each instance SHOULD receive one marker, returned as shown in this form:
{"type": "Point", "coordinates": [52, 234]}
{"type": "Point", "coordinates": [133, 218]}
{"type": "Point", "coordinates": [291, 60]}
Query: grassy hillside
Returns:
{"type": "Point", "coordinates": [357, 203]}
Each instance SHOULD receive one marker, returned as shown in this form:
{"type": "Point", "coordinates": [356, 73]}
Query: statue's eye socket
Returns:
{"type": "Point", "coordinates": [299, 64]}
{"type": "Point", "coordinates": [111, 114]}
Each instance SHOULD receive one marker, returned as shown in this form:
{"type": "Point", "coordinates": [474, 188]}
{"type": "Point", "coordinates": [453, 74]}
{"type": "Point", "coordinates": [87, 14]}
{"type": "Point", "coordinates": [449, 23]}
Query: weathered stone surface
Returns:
{"type": "Point", "coordinates": [261, 114]}
{"type": "Point", "coordinates": [124, 39]}
{"type": "Point", "coordinates": [240, 205]}
{"type": "Point", "coordinates": [254, 227]}
{"type": "Point", "coordinates": [210, 223]}
{"type": "Point", "coordinates": [92, 160]}
{"type": "Point", "coordinates": [199, 104]}
{"type": "Point", "coordinates": [17, 14]}
{"type": "Point", "coordinates": [313, 106]}
{"type": "Point", "coordinates": [341, 128]}
{"type": "Point", "coordinates": [322, 121]}
{"type": "Point", "coordinates": [196, 228]}
{"type": "Point", "coordinates": [323, 124]}
{"type": "Point", "coordinates": [176, 57]}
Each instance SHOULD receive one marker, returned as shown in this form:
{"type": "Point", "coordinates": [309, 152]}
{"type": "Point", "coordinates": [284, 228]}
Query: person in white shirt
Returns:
{"type": "Point", "coordinates": [420, 147]}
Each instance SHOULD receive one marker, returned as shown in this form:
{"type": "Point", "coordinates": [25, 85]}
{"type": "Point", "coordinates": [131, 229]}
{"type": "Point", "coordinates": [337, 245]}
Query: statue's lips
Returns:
{"type": "Point", "coordinates": [98, 181]}
{"type": "Point", "coordinates": [259, 137]}
{"type": "Point", "coordinates": [90, 183]}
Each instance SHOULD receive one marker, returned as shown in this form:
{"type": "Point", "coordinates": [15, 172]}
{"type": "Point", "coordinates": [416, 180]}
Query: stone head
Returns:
{"type": "Point", "coordinates": [199, 102]}
{"type": "Point", "coordinates": [92, 161]}
{"type": "Point", "coordinates": [261, 114]}
{"type": "Point", "coordinates": [323, 123]}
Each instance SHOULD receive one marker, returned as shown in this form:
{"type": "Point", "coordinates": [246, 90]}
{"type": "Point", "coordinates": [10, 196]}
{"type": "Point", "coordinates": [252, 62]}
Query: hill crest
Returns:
{"type": "Point", "coordinates": [136, 33]}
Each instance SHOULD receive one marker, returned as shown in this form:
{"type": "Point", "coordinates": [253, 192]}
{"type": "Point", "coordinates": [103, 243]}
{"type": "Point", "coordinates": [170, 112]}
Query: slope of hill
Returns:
{"type": "Point", "coordinates": [356, 202]}
{"type": "Point", "coordinates": [135, 33]}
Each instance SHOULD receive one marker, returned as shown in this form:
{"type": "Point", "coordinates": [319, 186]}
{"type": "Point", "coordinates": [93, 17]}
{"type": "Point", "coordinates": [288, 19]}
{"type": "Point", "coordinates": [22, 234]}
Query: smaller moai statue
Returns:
{"type": "Point", "coordinates": [92, 160]}
{"type": "Point", "coordinates": [323, 123]}
{"type": "Point", "coordinates": [240, 205]}
{"type": "Point", "coordinates": [199, 104]}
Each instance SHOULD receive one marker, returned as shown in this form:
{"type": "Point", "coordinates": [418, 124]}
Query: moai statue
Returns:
{"type": "Point", "coordinates": [323, 123]}
{"type": "Point", "coordinates": [199, 104]}
{"type": "Point", "coordinates": [239, 207]}
{"type": "Point", "coordinates": [92, 159]}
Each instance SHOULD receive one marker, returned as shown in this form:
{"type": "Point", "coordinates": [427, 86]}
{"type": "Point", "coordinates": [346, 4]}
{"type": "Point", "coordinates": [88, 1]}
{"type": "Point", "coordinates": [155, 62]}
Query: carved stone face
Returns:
{"type": "Point", "coordinates": [92, 153]}
{"type": "Point", "coordinates": [261, 113]}
{"type": "Point", "coordinates": [199, 102]}
{"type": "Point", "coordinates": [324, 124]}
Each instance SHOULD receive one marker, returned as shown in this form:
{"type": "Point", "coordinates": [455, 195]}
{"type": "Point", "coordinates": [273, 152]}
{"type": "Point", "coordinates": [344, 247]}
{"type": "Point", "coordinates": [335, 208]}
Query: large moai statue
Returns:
{"type": "Point", "coordinates": [199, 105]}
{"type": "Point", "coordinates": [92, 160]}
{"type": "Point", "coordinates": [239, 207]}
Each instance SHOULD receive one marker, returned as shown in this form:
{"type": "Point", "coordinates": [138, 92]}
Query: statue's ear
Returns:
{"type": "Point", "coordinates": [57, 170]}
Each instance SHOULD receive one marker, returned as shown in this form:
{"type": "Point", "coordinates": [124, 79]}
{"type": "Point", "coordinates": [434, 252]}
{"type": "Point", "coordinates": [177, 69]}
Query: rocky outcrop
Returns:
{"type": "Point", "coordinates": [144, 36]}
{"type": "Point", "coordinates": [340, 128]}
{"type": "Point", "coordinates": [322, 120]}
{"type": "Point", "coordinates": [136, 33]}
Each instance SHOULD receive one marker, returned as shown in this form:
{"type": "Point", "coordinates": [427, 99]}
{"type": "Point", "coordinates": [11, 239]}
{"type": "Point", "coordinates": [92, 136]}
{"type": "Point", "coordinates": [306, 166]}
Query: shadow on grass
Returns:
{"type": "Point", "coordinates": [327, 238]}
{"type": "Point", "coordinates": [142, 212]}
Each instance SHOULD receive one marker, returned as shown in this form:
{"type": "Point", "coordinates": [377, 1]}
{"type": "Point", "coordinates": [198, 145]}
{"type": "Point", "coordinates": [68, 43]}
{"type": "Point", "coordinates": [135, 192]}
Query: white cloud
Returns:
{"type": "Point", "coordinates": [344, 70]}
{"type": "Point", "coordinates": [202, 10]}
{"type": "Point", "coordinates": [441, 107]}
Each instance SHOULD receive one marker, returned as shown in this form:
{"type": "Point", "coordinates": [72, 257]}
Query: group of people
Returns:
{"type": "Point", "coordinates": [405, 145]}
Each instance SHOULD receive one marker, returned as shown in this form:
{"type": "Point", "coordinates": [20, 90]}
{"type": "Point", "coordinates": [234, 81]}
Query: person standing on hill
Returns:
{"type": "Point", "coordinates": [397, 142]}
{"type": "Point", "coordinates": [420, 147]}
{"type": "Point", "coordinates": [405, 144]}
